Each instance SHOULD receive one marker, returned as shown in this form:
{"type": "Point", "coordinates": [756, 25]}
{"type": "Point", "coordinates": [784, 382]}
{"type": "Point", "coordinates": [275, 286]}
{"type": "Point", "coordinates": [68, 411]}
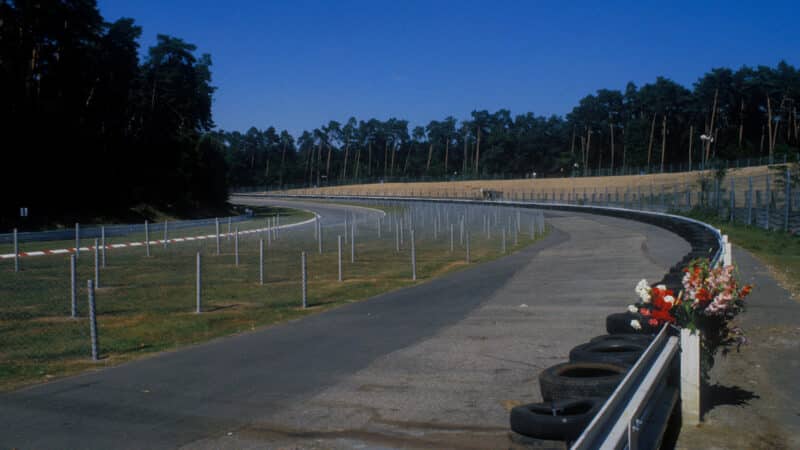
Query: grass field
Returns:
{"type": "Point", "coordinates": [146, 305]}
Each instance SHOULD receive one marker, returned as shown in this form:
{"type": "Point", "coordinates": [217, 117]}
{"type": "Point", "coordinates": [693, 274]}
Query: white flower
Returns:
{"type": "Point", "coordinates": [642, 286]}
{"type": "Point", "coordinates": [643, 291]}
{"type": "Point", "coordinates": [669, 299]}
{"type": "Point", "coordinates": [636, 325]}
{"type": "Point", "coordinates": [633, 309]}
{"type": "Point", "coordinates": [662, 287]}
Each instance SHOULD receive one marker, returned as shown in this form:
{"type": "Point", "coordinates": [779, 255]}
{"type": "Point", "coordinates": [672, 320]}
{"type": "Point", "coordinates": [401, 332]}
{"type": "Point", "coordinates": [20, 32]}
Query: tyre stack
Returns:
{"type": "Point", "coordinates": [575, 391]}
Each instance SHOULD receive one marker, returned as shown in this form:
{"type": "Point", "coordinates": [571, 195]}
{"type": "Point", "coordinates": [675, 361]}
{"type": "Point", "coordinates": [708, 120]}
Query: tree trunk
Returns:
{"type": "Point", "coordinates": [358, 163]}
{"type": "Point", "coordinates": [430, 154]}
{"type": "Point", "coordinates": [408, 158]}
{"type": "Point", "coordinates": [478, 152]}
{"type": "Point", "coordinates": [741, 123]}
{"type": "Point", "coordinates": [611, 130]}
{"type": "Point", "coordinates": [710, 130]}
{"type": "Point", "coordinates": [588, 149]}
{"type": "Point", "coordinates": [761, 146]}
{"type": "Point", "coordinates": [769, 126]}
{"type": "Point", "coordinates": [650, 145]}
{"type": "Point", "coordinates": [283, 158]}
{"type": "Point", "coordinates": [446, 152]}
{"type": "Point", "coordinates": [346, 156]}
{"type": "Point", "coordinates": [391, 169]}
{"type": "Point", "coordinates": [328, 165]}
{"type": "Point", "coordinates": [266, 172]}
{"type": "Point", "coordinates": [319, 163]}
{"type": "Point", "coordinates": [309, 166]}
{"type": "Point", "coordinates": [385, 157]}
{"type": "Point", "coordinates": [624, 161]}
{"type": "Point", "coordinates": [572, 146]}
{"type": "Point", "coordinates": [691, 142]}
{"type": "Point", "coordinates": [663, 141]}
{"type": "Point", "coordinates": [466, 151]}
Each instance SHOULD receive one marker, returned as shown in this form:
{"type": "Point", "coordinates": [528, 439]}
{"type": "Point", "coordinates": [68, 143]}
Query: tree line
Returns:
{"type": "Point", "coordinates": [89, 124]}
{"type": "Point", "coordinates": [90, 127]}
{"type": "Point", "coordinates": [727, 114]}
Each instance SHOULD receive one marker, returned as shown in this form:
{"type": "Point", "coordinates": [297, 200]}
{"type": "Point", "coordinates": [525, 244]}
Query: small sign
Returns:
{"type": "Point", "coordinates": [23, 212]}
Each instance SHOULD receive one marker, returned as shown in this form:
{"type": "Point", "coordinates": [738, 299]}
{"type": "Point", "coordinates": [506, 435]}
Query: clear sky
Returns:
{"type": "Point", "coordinates": [297, 64]}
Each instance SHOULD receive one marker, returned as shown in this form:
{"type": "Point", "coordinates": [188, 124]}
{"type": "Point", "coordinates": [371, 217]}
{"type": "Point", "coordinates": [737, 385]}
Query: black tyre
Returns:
{"type": "Point", "coordinates": [620, 323]}
{"type": "Point", "coordinates": [561, 420]}
{"type": "Point", "coordinates": [579, 379]}
{"type": "Point", "coordinates": [622, 352]}
{"type": "Point", "coordinates": [643, 339]}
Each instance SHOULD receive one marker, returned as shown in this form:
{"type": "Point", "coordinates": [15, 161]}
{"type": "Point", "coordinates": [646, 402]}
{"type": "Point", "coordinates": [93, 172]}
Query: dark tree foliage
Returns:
{"type": "Point", "coordinates": [652, 123]}
{"type": "Point", "coordinates": [88, 128]}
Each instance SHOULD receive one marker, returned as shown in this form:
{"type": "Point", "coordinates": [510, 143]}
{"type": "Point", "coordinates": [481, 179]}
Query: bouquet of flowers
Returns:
{"type": "Point", "coordinates": [710, 299]}
{"type": "Point", "coordinates": [657, 304]}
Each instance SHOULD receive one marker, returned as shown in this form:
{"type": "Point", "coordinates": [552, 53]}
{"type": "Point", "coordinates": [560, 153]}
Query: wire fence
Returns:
{"type": "Point", "coordinates": [769, 200]}
{"type": "Point", "coordinates": [147, 300]}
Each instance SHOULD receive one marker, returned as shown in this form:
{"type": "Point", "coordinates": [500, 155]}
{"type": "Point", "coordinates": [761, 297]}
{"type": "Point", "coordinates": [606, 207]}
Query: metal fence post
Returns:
{"type": "Point", "coordinates": [339, 246]}
{"type": "Point", "coordinates": [732, 197]}
{"type": "Point", "coordinates": [319, 236]}
{"type": "Point", "coordinates": [166, 233]}
{"type": "Point", "coordinates": [216, 231]}
{"type": "Point", "coordinates": [96, 265]}
{"type": "Point", "coordinates": [767, 201]}
{"type": "Point", "coordinates": [73, 291]}
{"type": "Point", "coordinates": [467, 255]}
{"type": "Point", "coordinates": [146, 238]}
{"type": "Point", "coordinates": [261, 262]}
{"type": "Point", "coordinates": [16, 251]}
{"type": "Point", "coordinates": [103, 246]}
{"type": "Point", "coordinates": [236, 247]}
{"type": "Point", "coordinates": [397, 237]}
{"type": "Point", "coordinates": [352, 242]}
{"type": "Point", "coordinates": [788, 200]}
{"type": "Point", "coordinates": [77, 239]}
{"type": "Point", "coordinates": [451, 237]}
{"type": "Point", "coordinates": [413, 257]}
{"type": "Point", "coordinates": [749, 200]}
{"type": "Point", "coordinates": [304, 275]}
{"type": "Point", "coordinates": [198, 285]}
{"type": "Point", "coordinates": [92, 320]}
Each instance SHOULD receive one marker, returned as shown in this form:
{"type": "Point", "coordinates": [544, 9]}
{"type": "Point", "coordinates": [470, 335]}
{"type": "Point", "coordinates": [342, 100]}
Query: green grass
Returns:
{"type": "Point", "coordinates": [146, 305]}
{"type": "Point", "coordinates": [779, 250]}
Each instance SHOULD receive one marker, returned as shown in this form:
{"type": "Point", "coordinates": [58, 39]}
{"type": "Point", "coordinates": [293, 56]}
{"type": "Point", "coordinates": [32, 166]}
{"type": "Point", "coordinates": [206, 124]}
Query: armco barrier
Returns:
{"type": "Point", "coordinates": [112, 230]}
{"type": "Point", "coordinates": [636, 414]}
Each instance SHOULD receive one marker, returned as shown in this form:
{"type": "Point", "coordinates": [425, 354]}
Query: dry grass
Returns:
{"type": "Point", "coordinates": [657, 182]}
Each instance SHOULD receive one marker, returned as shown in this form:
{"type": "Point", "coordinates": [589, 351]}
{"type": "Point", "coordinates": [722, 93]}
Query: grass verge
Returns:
{"type": "Point", "coordinates": [778, 250]}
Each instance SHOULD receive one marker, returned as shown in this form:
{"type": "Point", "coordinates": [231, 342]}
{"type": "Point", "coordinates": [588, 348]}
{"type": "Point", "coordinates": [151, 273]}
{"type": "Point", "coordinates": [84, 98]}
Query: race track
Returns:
{"type": "Point", "coordinates": [435, 365]}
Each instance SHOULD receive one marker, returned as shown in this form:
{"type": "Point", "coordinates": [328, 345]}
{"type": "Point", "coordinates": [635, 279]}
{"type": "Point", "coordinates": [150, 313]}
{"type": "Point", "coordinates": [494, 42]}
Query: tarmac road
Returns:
{"type": "Point", "coordinates": [437, 364]}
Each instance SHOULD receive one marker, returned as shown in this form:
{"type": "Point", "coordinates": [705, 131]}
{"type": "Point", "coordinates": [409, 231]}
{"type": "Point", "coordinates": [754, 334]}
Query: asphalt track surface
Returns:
{"type": "Point", "coordinates": [434, 365]}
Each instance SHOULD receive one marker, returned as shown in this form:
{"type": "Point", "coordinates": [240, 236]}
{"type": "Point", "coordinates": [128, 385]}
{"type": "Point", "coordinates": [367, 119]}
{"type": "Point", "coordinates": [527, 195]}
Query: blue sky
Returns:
{"type": "Point", "coordinates": [297, 64]}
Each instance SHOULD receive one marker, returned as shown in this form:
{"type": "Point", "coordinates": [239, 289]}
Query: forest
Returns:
{"type": "Point", "coordinates": [93, 123]}
{"type": "Point", "coordinates": [660, 126]}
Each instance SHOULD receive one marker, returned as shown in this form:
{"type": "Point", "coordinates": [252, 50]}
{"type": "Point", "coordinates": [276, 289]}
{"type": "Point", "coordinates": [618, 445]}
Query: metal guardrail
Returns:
{"type": "Point", "coordinates": [110, 230]}
{"type": "Point", "coordinates": [636, 413]}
